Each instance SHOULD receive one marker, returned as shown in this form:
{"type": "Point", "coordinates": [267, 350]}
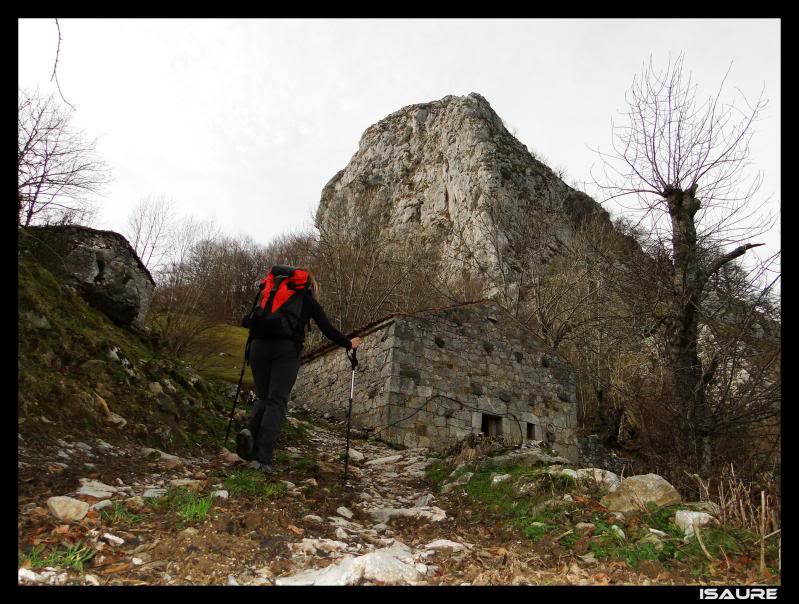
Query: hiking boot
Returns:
{"type": "Point", "coordinates": [244, 444]}
{"type": "Point", "coordinates": [265, 468]}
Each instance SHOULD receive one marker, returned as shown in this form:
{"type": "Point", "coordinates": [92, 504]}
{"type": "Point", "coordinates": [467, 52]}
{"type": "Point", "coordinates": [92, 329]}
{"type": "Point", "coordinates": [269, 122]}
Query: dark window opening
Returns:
{"type": "Point", "coordinates": [531, 431]}
{"type": "Point", "coordinates": [491, 425]}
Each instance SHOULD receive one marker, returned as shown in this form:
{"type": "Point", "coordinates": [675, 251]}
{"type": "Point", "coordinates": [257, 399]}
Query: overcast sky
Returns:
{"type": "Point", "coordinates": [246, 120]}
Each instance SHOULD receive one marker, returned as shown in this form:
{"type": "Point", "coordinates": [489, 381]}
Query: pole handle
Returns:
{"type": "Point", "coordinates": [352, 356]}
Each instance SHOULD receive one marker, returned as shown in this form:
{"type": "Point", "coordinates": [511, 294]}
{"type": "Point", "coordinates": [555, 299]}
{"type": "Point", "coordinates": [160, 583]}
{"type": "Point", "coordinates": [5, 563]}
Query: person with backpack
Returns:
{"type": "Point", "coordinates": [277, 322]}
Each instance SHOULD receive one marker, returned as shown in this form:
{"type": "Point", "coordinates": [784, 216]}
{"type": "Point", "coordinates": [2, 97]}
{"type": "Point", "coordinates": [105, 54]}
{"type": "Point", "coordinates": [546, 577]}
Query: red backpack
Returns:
{"type": "Point", "coordinates": [277, 311]}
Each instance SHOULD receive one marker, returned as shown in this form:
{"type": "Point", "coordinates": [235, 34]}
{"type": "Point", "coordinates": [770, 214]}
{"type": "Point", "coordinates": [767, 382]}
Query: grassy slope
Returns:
{"type": "Point", "coordinates": [65, 364]}
{"type": "Point", "coordinates": [230, 341]}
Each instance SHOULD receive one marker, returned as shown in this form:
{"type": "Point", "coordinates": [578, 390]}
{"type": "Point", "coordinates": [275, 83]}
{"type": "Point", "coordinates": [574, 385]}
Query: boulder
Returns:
{"type": "Point", "coordinates": [101, 265]}
{"type": "Point", "coordinates": [635, 492]}
{"type": "Point", "coordinates": [67, 508]}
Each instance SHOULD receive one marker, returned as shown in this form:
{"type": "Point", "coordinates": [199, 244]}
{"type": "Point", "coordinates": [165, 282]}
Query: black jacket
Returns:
{"type": "Point", "coordinates": [311, 309]}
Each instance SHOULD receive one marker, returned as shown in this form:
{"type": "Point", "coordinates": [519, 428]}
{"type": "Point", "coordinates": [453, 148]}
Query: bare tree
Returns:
{"type": "Point", "coordinates": [148, 231]}
{"type": "Point", "coordinates": [181, 282]}
{"type": "Point", "coordinates": [684, 162]}
{"type": "Point", "coordinates": [365, 275]}
{"type": "Point", "coordinates": [58, 169]}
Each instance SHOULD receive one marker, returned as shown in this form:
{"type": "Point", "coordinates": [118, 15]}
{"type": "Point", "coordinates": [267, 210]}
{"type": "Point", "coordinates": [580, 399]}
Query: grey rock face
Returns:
{"type": "Point", "coordinates": [101, 265]}
{"type": "Point", "coordinates": [440, 170]}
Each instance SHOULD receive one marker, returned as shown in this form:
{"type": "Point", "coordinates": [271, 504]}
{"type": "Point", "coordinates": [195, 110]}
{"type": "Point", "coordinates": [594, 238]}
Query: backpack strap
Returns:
{"type": "Point", "coordinates": [245, 322]}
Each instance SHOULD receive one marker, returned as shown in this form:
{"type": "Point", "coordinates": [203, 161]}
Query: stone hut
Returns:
{"type": "Point", "coordinates": [432, 378]}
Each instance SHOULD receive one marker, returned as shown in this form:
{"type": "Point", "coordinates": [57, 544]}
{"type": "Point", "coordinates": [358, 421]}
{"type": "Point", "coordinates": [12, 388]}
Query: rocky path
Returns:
{"type": "Point", "coordinates": [120, 514]}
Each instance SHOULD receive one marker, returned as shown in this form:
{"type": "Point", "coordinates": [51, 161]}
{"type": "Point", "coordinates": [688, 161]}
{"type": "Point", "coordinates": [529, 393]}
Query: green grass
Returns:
{"type": "Point", "coordinates": [306, 465]}
{"type": "Point", "coordinates": [293, 434]}
{"type": "Point", "coordinates": [229, 339]}
{"type": "Point", "coordinates": [74, 556]}
{"type": "Point", "coordinates": [252, 483]}
{"type": "Point", "coordinates": [437, 472]}
{"type": "Point", "coordinates": [500, 501]}
{"type": "Point", "coordinates": [187, 505]}
{"type": "Point", "coordinates": [119, 514]}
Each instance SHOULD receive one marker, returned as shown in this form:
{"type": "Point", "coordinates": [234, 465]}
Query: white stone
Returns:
{"type": "Point", "coordinates": [431, 513]}
{"type": "Point", "coordinates": [356, 455]}
{"type": "Point", "coordinates": [384, 460]}
{"type": "Point", "coordinates": [500, 478]}
{"type": "Point", "coordinates": [602, 477]}
{"type": "Point", "coordinates": [68, 508]}
{"type": "Point", "coordinates": [221, 494]}
{"type": "Point", "coordinates": [687, 520]}
{"type": "Point", "coordinates": [344, 512]}
{"type": "Point", "coordinates": [618, 532]}
{"type": "Point", "coordinates": [313, 518]}
{"type": "Point", "coordinates": [113, 539]}
{"type": "Point", "coordinates": [154, 493]}
{"type": "Point", "coordinates": [27, 575]}
{"type": "Point", "coordinates": [101, 505]}
{"type": "Point", "coordinates": [95, 488]}
{"type": "Point", "coordinates": [392, 566]}
{"type": "Point", "coordinates": [447, 545]}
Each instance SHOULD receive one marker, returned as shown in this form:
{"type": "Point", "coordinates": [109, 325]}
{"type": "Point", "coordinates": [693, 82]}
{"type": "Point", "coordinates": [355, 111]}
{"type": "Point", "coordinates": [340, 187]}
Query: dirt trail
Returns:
{"type": "Point", "coordinates": [385, 525]}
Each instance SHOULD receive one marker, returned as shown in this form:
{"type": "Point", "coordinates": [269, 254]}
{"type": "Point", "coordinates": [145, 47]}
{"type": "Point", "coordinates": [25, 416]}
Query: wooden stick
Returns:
{"type": "Point", "coordinates": [701, 543]}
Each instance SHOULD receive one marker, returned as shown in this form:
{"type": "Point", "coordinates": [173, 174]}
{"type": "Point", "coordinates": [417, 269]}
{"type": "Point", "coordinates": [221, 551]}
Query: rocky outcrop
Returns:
{"type": "Point", "coordinates": [101, 265]}
{"type": "Point", "coordinates": [443, 172]}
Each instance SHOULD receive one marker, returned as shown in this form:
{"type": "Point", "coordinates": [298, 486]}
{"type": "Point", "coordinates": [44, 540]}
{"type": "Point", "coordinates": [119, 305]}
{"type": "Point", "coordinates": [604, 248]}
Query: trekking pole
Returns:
{"type": "Point", "coordinates": [238, 389]}
{"type": "Point", "coordinates": [354, 361]}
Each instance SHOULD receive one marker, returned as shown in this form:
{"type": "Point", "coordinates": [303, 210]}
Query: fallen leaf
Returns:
{"type": "Point", "coordinates": [295, 530]}
{"type": "Point", "coordinates": [115, 568]}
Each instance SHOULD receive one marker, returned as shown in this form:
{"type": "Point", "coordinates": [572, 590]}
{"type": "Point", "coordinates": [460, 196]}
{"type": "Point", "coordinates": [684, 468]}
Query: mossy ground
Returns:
{"type": "Point", "coordinates": [66, 361]}
{"type": "Point", "coordinates": [553, 525]}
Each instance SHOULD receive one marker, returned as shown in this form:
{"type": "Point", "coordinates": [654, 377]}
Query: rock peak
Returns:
{"type": "Point", "coordinates": [435, 170]}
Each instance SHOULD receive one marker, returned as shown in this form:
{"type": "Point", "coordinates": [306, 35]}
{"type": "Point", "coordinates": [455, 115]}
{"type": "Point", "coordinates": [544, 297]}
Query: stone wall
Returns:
{"type": "Point", "coordinates": [433, 375]}
{"type": "Point", "coordinates": [323, 383]}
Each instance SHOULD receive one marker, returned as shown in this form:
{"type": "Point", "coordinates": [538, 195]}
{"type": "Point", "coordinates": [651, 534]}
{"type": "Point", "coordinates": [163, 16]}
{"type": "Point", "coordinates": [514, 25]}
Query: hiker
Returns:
{"type": "Point", "coordinates": [275, 343]}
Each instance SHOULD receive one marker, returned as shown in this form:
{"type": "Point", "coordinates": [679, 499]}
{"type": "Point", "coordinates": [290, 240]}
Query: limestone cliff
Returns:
{"type": "Point", "coordinates": [449, 172]}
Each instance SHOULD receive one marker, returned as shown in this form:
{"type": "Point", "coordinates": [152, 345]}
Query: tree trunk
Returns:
{"type": "Point", "coordinates": [687, 383]}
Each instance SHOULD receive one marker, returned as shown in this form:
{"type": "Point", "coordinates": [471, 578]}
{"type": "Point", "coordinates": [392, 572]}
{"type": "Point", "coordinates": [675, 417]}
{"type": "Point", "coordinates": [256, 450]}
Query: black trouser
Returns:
{"type": "Point", "coordinates": [274, 365]}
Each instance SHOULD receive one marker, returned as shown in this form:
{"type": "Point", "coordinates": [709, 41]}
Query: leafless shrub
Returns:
{"type": "Point", "coordinates": [58, 168]}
